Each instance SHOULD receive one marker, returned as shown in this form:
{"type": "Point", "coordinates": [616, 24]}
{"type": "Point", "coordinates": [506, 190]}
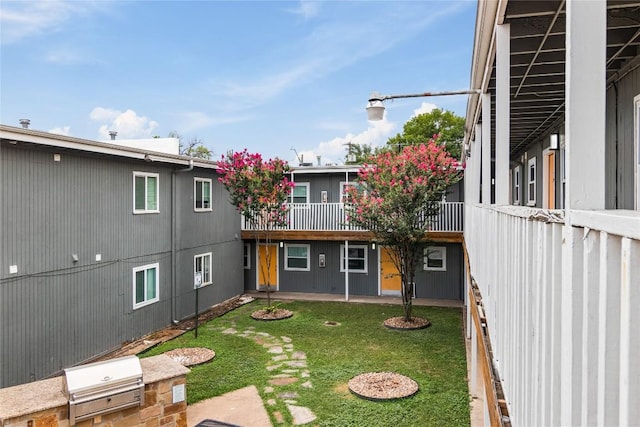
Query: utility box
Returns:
{"type": "Point", "coordinates": [102, 387]}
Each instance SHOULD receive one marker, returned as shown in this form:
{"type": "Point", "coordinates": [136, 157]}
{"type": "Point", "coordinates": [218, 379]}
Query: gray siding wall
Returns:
{"type": "Point", "coordinates": [55, 312]}
{"type": "Point", "coordinates": [323, 182]}
{"type": "Point", "coordinates": [619, 154]}
{"type": "Point", "coordinates": [447, 284]}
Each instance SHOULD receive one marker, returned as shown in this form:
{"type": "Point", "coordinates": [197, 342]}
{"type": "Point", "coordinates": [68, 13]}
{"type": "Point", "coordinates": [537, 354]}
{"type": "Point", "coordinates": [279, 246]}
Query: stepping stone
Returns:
{"type": "Point", "coordinates": [281, 376]}
{"type": "Point", "coordinates": [268, 389]}
{"type": "Point", "coordinates": [291, 402]}
{"type": "Point", "coordinates": [273, 367]}
{"type": "Point", "coordinates": [288, 346]}
{"type": "Point", "coordinates": [288, 395]}
{"type": "Point", "coordinates": [307, 384]}
{"type": "Point", "coordinates": [230, 331]}
{"type": "Point", "coordinates": [296, 364]}
{"type": "Point", "coordinates": [264, 334]}
{"type": "Point", "coordinates": [290, 371]}
{"type": "Point", "coordinates": [280, 358]}
{"type": "Point", "coordinates": [271, 402]}
{"type": "Point", "coordinates": [305, 374]}
{"type": "Point", "coordinates": [278, 416]}
{"type": "Point", "coordinates": [301, 415]}
{"type": "Point", "coordinates": [283, 381]}
{"type": "Point", "coordinates": [275, 350]}
{"type": "Point", "coordinates": [286, 339]}
{"type": "Point", "coordinates": [299, 355]}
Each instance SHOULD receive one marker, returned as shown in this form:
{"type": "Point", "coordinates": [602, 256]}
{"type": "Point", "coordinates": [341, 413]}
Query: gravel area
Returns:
{"type": "Point", "coordinates": [190, 356]}
{"type": "Point", "coordinates": [382, 386]}
{"type": "Point", "coordinates": [400, 323]}
{"type": "Point", "coordinates": [277, 314]}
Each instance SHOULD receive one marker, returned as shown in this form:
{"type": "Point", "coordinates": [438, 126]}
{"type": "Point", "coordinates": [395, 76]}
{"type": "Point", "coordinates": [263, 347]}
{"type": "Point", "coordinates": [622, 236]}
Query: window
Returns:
{"type": "Point", "coordinates": [343, 189]}
{"type": "Point", "coordinates": [247, 256]}
{"type": "Point", "coordinates": [145, 192]}
{"type": "Point", "coordinates": [202, 269]}
{"type": "Point", "coordinates": [435, 258]}
{"type": "Point", "coordinates": [531, 189]}
{"type": "Point", "coordinates": [201, 194]}
{"type": "Point", "coordinates": [517, 172]}
{"type": "Point", "coordinates": [300, 193]}
{"type": "Point", "coordinates": [145, 285]}
{"type": "Point", "coordinates": [357, 258]}
{"type": "Point", "coordinates": [296, 257]}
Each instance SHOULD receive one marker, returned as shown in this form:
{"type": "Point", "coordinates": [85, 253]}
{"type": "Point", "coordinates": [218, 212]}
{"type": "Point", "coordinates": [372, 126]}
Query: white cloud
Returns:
{"type": "Point", "coordinates": [22, 19]}
{"type": "Point", "coordinates": [65, 130]}
{"type": "Point", "coordinates": [334, 150]}
{"type": "Point", "coordinates": [128, 124]}
{"type": "Point", "coordinates": [426, 107]}
{"type": "Point", "coordinates": [306, 9]}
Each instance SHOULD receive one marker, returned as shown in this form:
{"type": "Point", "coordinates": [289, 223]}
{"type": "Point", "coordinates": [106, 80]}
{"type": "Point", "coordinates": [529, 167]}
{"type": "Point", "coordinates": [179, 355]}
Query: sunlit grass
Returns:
{"type": "Point", "coordinates": [434, 357]}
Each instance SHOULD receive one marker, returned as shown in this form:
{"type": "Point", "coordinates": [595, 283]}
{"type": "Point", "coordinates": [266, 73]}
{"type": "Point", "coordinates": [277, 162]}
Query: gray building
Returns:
{"type": "Point", "coordinates": [101, 244]}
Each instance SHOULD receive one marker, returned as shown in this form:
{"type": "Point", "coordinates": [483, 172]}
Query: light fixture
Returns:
{"type": "Point", "coordinates": [373, 246]}
{"type": "Point", "coordinates": [554, 141]}
{"type": "Point", "coordinates": [75, 257]}
{"type": "Point", "coordinates": [375, 106]}
{"type": "Point", "coordinates": [282, 244]}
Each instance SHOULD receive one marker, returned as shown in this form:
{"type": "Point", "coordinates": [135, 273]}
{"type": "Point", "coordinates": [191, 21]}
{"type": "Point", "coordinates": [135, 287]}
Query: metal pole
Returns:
{"type": "Point", "coordinates": [377, 97]}
{"type": "Point", "coordinates": [197, 292]}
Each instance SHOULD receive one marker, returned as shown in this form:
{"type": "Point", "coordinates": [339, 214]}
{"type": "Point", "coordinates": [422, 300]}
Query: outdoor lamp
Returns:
{"type": "Point", "coordinates": [375, 106]}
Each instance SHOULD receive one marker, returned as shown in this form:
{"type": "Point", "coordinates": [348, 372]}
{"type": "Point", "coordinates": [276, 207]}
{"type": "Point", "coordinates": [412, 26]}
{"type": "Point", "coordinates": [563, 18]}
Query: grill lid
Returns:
{"type": "Point", "coordinates": [103, 378]}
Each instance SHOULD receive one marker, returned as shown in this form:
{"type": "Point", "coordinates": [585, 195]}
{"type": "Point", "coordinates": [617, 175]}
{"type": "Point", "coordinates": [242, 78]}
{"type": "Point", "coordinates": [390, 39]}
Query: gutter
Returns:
{"type": "Point", "coordinates": [174, 274]}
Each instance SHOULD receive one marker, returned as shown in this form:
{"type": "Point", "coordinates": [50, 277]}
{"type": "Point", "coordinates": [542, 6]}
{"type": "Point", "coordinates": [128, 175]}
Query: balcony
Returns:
{"type": "Point", "coordinates": [327, 221]}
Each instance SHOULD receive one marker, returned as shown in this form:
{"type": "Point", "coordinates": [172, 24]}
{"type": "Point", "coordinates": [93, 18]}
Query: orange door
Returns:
{"type": "Point", "coordinates": [390, 280]}
{"type": "Point", "coordinates": [551, 180]}
{"type": "Point", "coordinates": [268, 266]}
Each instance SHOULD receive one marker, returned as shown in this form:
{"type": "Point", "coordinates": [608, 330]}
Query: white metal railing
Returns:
{"type": "Point", "coordinates": [561, 292]}
{"type": "Point", "coordinates": [332, 217]}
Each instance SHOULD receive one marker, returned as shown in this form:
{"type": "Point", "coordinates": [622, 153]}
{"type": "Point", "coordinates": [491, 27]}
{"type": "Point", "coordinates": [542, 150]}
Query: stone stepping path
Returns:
{"type": "Point", "coordinates": [287, 368]}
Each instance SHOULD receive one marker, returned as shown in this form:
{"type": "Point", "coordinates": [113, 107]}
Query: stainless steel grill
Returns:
{"type": "Point", "coordinates": [103, 387]}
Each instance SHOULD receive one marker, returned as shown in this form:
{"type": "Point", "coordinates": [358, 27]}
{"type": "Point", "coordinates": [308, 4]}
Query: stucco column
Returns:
{"type": "Point", "coordinates": [503, 107]}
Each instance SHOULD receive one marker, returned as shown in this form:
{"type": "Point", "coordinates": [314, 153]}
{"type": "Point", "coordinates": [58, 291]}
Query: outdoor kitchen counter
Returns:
{"type": "Point", "coordinates": [46, 394]}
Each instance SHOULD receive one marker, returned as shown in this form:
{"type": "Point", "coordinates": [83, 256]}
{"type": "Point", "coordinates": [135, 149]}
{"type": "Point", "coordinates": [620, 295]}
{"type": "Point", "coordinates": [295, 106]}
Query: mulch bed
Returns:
{"type": "Point", "coordinates": [277, 314]}
{"type": "Point", "coordinates": [401, 324]}
{"type": "Point", "coordinates": [382, 386]}
{"type": "Point", "coordinates": [191, 356]}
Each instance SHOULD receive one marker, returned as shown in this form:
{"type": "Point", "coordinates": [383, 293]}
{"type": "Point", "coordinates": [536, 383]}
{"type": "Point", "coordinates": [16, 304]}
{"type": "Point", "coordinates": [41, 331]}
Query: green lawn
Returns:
{"type": "Point", "coordinates": [434, 357]}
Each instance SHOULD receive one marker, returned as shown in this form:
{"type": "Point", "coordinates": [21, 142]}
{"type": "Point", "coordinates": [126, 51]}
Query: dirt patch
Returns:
{"type": "Point", "coordinates": [401, 324]}
{"type": "Point", "coordinates": [343, 390]}
{"type": "Point", "coordinates": [382, 386]}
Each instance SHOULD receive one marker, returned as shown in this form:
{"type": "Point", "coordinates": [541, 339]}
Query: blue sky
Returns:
{"type": "Point", "coordinates": [266, 76]}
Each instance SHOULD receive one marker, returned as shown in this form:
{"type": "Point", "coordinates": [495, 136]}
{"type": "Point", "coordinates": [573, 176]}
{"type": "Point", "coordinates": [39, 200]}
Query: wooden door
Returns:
{"type": "Point", "coordinates": [551, 180]}
{"type": "Point", "coordinates": [390, 280]}
{"type": "Point", "coordinates": [267, 272]}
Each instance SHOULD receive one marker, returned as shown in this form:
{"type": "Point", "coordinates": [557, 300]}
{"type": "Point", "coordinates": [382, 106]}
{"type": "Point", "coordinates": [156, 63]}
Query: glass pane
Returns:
{"type": "Point", "coordinates": [151, 283]}
{"type": "Point", "coordinates": [356, 264]}
{"type": "Point", "coordinates": [139, 192]}
{"type": "Point", "coordinates": [198, 264]}
{"type": "Point", "coordinates": [198, 194]}
{"type": "Point", "coordinates": [152, 193]}
{"type": "Point", "coordinates": [435, 263]}
{"type": "Point", "coordinates": [356, 253]}
{"type": "Point", "coordinates": [297, 262]}
{"type": "Point", "coordinates": [139, 286]}
{"type": "Point", "coordinates": [297, 251]}
{"type": "Point", "coordinates": [206, 194]}
{"type": "Point", "coordinates": [206, 274]}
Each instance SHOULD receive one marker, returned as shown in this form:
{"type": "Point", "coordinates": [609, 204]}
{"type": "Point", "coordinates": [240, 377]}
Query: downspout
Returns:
{"type": "Point", "coordinates": [174, 273]}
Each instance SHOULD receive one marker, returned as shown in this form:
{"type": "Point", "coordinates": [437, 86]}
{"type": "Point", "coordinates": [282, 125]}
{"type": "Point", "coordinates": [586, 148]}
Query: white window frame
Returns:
{"type": "Point", "coordinates": [195, 193]}
{"type": "Point", "coordinates": [247, 256]}
{"type": "Point", "coordinates": [300, 185]}
{"type": "Point", "coordinates": [286, 257]}
{"type": "Point", "coordinates": [532, 183]}
{"type": "Point", "coordinates": [434, 249]}
{"type": "Point", "coordinates": [636, 150]}
{"type": "Point", "coordinates": [146, 301]}
{"type": "Point", "coordinates": [517, 184]}
{"type": "Point", "coordinates": [366, 259]}
{"type": "Point", "coordinates": [146, 176]}
{"type": "Point", "coordinates": [205, 280]}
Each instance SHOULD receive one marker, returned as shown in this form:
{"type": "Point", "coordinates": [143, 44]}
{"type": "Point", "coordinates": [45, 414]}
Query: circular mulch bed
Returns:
{"type": "Point", "coordinates": [190, 356]}
{"type": "Point", "coordinates": [382, 386]}
{"type": "Point", "coordinates": [277, 314]}
{"type": "Point", "coordinates": [401, 324]}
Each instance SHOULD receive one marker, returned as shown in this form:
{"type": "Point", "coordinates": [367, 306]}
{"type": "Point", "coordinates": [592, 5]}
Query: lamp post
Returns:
{"type": "Point", "coordinates": [375, 106]}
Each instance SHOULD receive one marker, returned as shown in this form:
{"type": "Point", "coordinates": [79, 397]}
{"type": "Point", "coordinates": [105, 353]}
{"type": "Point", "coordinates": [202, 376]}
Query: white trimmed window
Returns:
{"type": "Point", "coordinates": [517, 184]}
{"type": "Point", "coordinates": [145, 285]}
{"type": "Point", "coordinates": [145, 192]}
{"type": "Point", "coordinates": [531, 182]}
{"type": "Point", "coordinates": [300, 193]}
{"type": "Point", "coordinates": [247, 256]}
{"type": "Point", "coordinates": [435, 258]}
{"type": "Point", "coordinates": [201, 194]}
{"type": "Point", "coordinates": [296, 257]}
{"type": "Point", "coordinates": [202, 269]}
{"type": "Point", "coordinates": [343, 189]}
{"type": "Point", "coordinates": [357, 258]}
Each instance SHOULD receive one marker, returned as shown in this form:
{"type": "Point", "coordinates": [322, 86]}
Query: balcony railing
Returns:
{"type": "Point", "coordinates": [560, 292]}
{"type": "Point", "coordinates": [332, 217]}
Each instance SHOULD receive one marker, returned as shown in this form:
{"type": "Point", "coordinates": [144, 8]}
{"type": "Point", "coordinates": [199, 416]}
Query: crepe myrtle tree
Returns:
{"type": "Point", "coordinates": [259, 190]}
{"type": "Point", "coordinates": [401, 197]}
